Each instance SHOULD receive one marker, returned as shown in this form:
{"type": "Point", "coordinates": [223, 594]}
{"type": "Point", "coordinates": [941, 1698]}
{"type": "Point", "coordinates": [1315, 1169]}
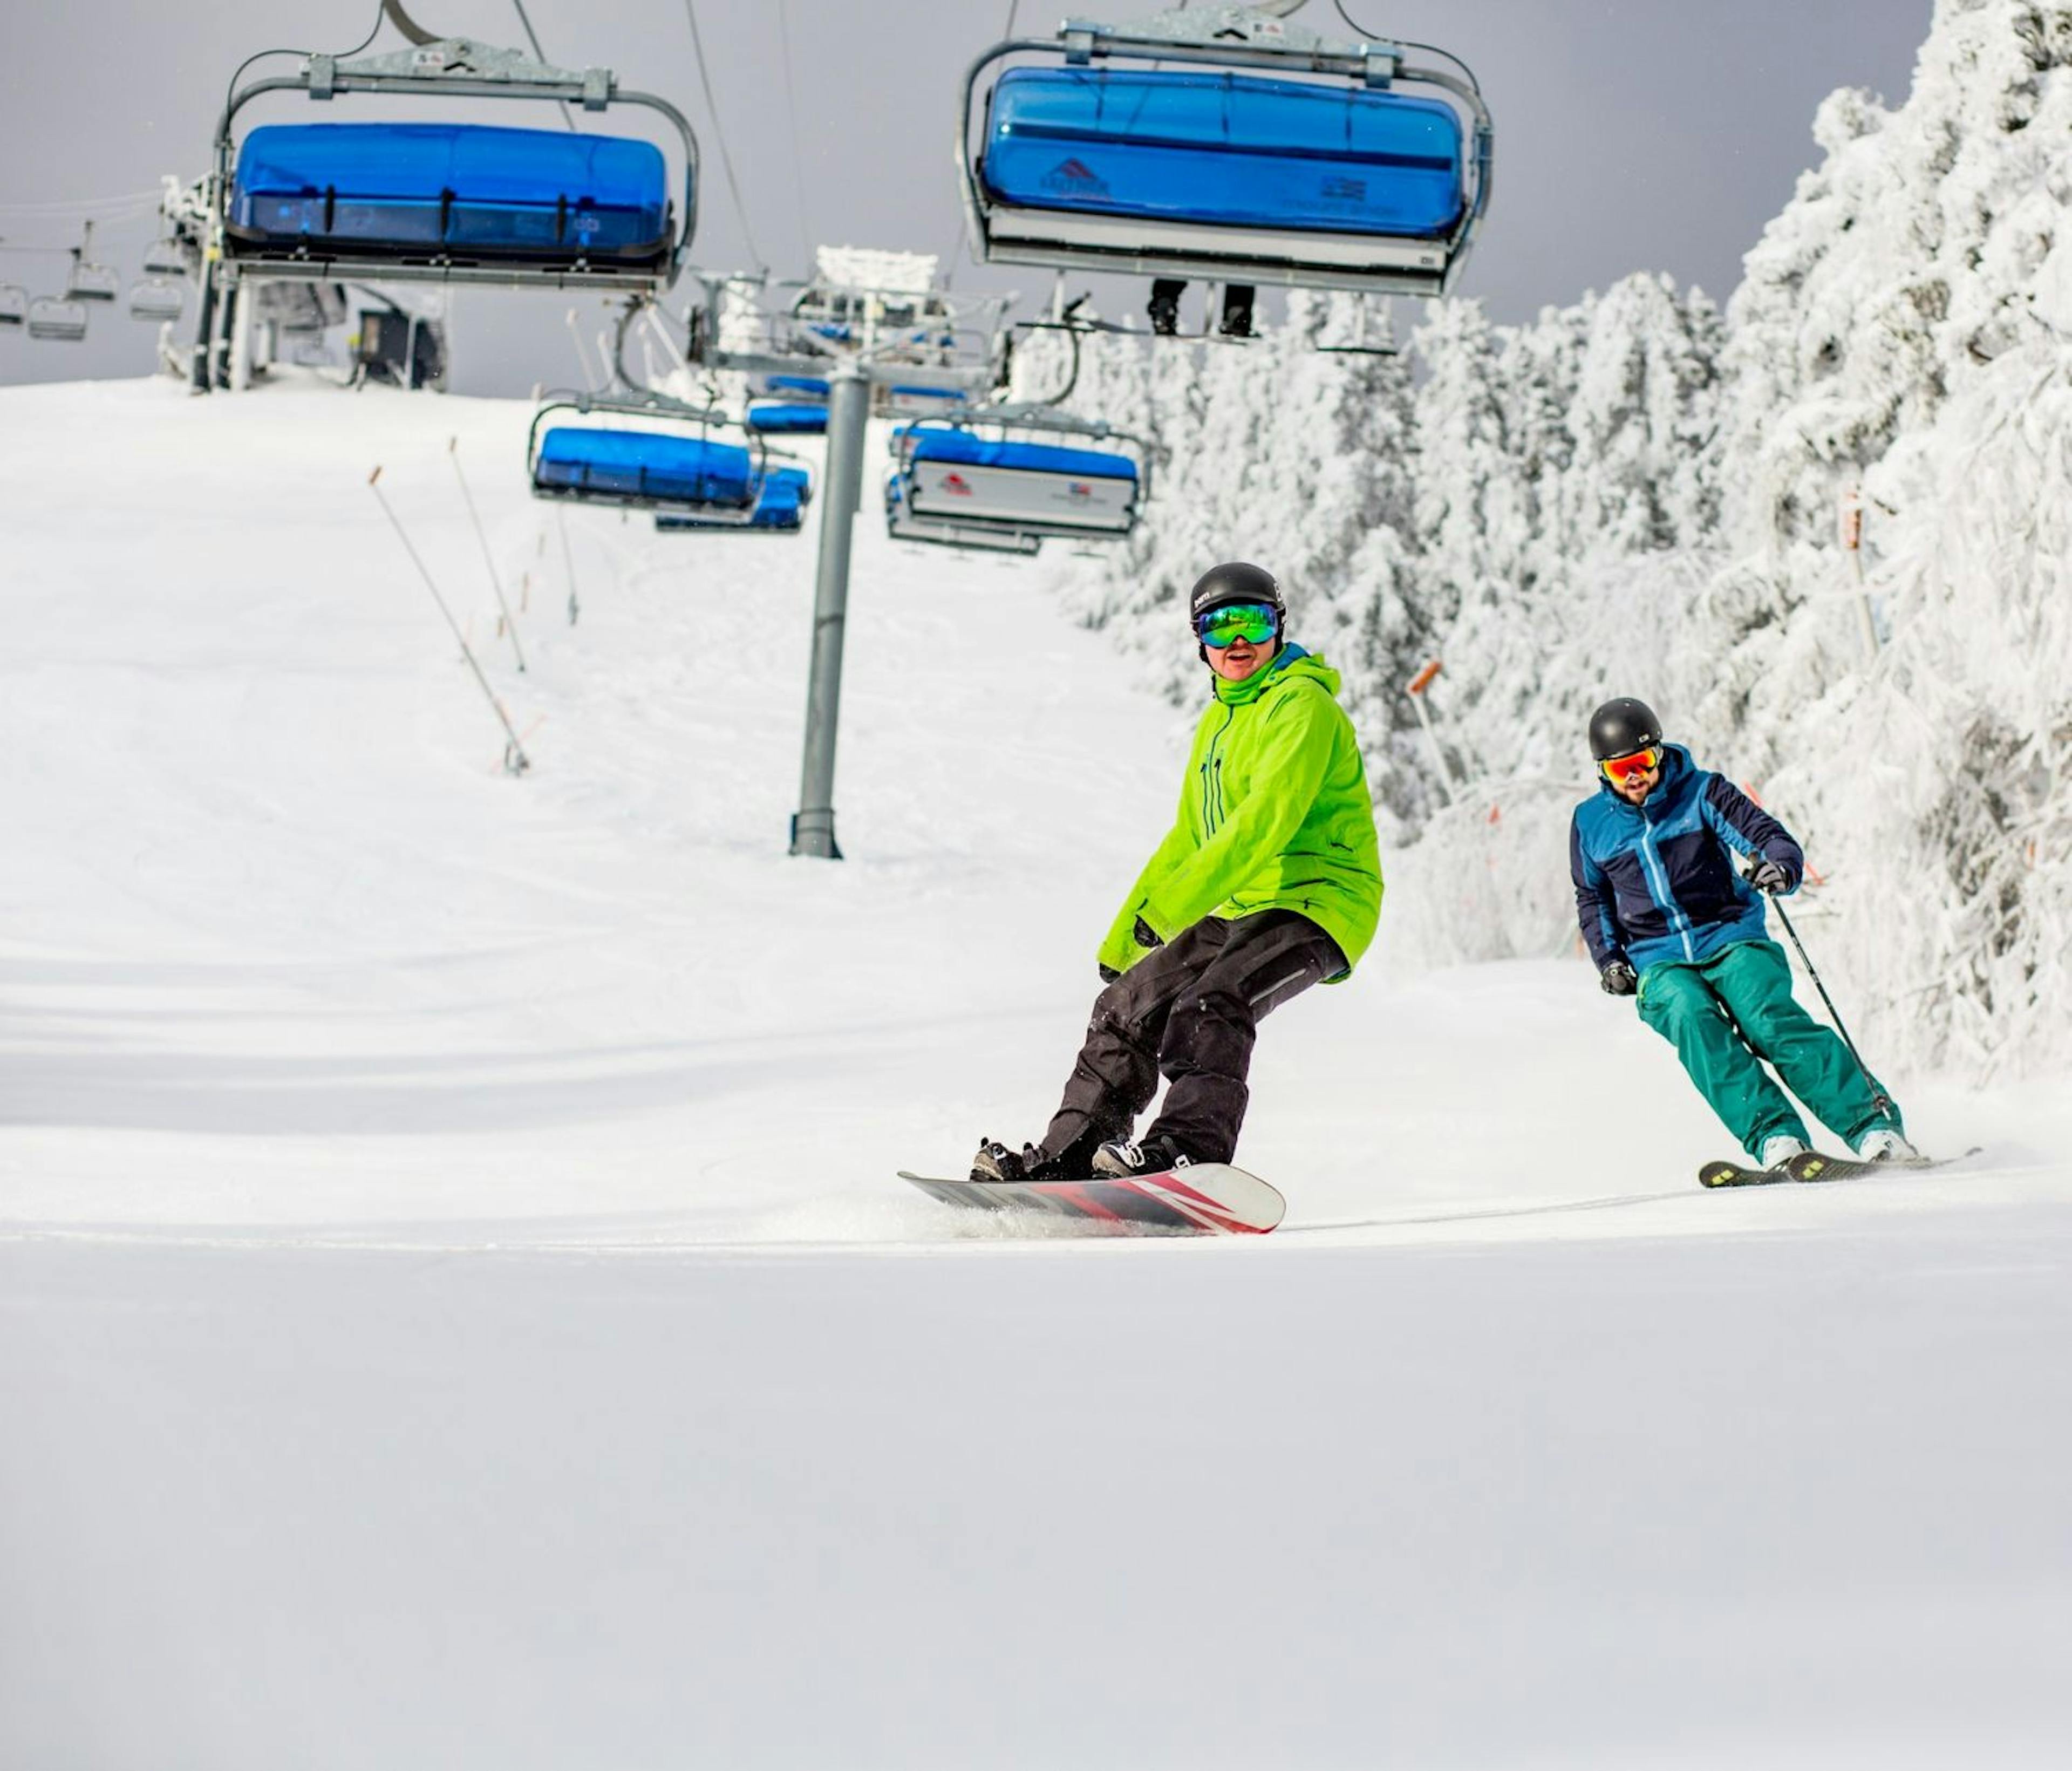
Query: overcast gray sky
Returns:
{"type": "Point", "coordinates": [1631, 134]}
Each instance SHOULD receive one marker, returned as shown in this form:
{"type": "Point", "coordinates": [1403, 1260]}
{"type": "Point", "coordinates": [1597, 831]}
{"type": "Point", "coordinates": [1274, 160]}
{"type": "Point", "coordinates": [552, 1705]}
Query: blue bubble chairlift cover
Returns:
{"type": "Point", "coordinates": [461, 191]}
{"type": "Point", "coordinates": [1044, 488]}
{"type": "Point", "coordinates": [1126, 157]}
{"type": "Point", "coordinates": [782, 418]}
{"type": "Point", "coordinates": [645, 468]}
{"type": "Point", "coordinates": [780, 509]}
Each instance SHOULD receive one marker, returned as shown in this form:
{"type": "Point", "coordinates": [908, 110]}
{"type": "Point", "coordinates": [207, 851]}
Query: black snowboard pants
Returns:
{"type": "Point", "coordinates": [1190, 1009]}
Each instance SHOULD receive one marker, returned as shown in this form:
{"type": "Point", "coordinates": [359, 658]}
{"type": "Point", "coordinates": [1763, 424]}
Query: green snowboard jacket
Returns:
{"type": "Point", "coordinates": [1274, 815]}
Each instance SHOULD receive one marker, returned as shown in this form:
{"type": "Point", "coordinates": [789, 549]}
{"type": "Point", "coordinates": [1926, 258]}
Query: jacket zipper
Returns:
{"type": "Point", "coordinates": [1212, 777]}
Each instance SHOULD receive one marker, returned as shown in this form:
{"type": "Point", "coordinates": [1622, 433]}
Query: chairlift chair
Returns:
{"type": "Point", "coordinates": [14, 304]}
{"type": "Point", "coordinates": [901, 524]}
{"type": "Point", "coordinates": [788, 418]}
{"type": "Point", "coordinates": [57, 319]}
{"type": "Point", "coordinates": [661, 470]}
{"type": "Point", "coordinates": [156, 299]}
{"type": "Point", "coordinates": [780, 509]}
{"type": "Point", "coordinates": [87, 281]}
{"type": "Point", "coordinates": [1088, 483]}
{"type": "Point", "coordinates": [452, 202]}
{"type": "Point", "coordinates": [1148, 153]}
{"type": "Point", "coordinates": [164, 257]}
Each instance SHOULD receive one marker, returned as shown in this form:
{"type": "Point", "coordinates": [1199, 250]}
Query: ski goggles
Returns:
{"type": "Point", "coordinates": [1619, 769]}
{"type": "Point", "coordinates": [1255, 622]}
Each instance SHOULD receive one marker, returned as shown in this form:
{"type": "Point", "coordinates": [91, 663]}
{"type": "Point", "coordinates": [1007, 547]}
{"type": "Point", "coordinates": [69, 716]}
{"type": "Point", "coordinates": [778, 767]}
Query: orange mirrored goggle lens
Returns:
{"type": "Point", "coordinates": [1622, 768]}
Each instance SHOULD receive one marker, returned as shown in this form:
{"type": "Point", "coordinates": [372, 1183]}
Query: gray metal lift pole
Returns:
{"type": "Point", "coordinates": [849, 412]}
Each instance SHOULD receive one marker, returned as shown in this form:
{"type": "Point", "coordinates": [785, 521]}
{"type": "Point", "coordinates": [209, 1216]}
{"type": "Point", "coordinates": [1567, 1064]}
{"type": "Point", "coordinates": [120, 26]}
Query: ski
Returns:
{"type": "Point", "coordinates": [1811, 1166]}
{"type": "Point", "coordinates": [1206, 1199]}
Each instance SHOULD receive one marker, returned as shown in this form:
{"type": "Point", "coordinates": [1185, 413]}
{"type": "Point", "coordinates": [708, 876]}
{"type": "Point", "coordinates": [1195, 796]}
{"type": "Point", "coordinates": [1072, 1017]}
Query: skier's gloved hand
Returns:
{"type": "Point", "coordinates": [1769, 876]}
{"type": "Point", "coordinates": [1619, 979]}
{"type": "Point", "coordinates": [1109, 974]}
{"type": "Point", "coordinates": [1144, 937]}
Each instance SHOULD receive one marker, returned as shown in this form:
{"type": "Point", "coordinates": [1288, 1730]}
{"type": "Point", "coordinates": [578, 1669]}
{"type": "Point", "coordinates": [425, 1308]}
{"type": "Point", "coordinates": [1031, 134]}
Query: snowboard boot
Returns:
{"type": "Point", "coordinates": [1154, 1156]}
{"type": "Point", "coordinates": [996, 1162]}
{"type": "Point", "coordinates": [1778, 1150]}
{"type": "Point", "coordinates": [1886, 1145]}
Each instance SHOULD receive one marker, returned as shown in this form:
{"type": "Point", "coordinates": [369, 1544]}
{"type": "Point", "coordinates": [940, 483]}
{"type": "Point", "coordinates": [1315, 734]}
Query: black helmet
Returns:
{"type": "Point", "coordinates": [1235, 583]}
{"type": "Point", "coordinates": [1621, 727]}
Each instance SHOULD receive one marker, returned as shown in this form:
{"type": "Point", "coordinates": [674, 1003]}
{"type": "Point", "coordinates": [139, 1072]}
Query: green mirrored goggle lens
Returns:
{"type": "Point", "coordinates": [1254, 622]}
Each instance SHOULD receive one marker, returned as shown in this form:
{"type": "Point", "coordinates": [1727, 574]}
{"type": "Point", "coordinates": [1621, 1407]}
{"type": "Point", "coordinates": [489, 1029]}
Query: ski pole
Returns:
{"type": "Point", "coordinates": [515, 762]}
{"type": "Point", "coordinates": [1878, 1095]}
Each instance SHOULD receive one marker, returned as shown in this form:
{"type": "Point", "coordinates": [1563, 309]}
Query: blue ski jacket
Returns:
{"type": "Point", "coordinates": [1656, 882]}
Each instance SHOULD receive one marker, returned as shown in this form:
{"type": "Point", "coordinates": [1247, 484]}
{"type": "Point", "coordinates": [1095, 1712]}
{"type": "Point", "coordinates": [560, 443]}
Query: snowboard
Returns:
{"type": "Point", "coordinates": [1810, 1165]}
{"type": "Point", "coordinates": [1206, 1199]}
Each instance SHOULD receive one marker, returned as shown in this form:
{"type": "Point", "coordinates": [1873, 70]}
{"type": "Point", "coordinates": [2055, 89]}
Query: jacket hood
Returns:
{"type": "Point", "coordinates": [1291, 661]}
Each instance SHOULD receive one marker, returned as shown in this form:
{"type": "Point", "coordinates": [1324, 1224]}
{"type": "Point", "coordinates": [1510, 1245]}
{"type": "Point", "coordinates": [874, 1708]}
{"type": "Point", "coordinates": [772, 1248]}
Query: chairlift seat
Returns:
{"type": "Point", "coordinates": [1046, 487]}
{"type": "Point", "coordinates": [784, 418]}
{"type": "Point", "coordinates": [165, 258]}
{"type": "Point", "coordinates": [14, 304]}
{"type": "Point", "coordinates": [903, 524]}
{"type": "Point", "coordinates": [780, 508]}
{"type": "Point", "coordinates": [643, 468]}
{"type": "Point", "coordinates": [915, 401]}
{"type": "Point", "coordinates": [462, 191]}
{"type": "Point", "coordinates": [1206, 168]}
{"type": "Point", "coordinates": [156, 299]}
{"type": "Point", "coordinates": [812, 386]}
{"type": "Point", "coordinates": [61, 321]}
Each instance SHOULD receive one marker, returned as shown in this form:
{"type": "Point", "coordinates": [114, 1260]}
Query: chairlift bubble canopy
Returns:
{"type": "Point", "coordinates": [788, 418]}
{"type": "Point", "coordinates": [689, 470]}
{"type": "Point", "coordinates": [780, 509]}
{"type": "Point", "coordinates": [1218, 164]}
{"type": "Point", "coordinates": [469, 189]}
{"type": "Point", "coordinates": [901, 524]}
{"type": "Point", "coordinates": [952, 474]}
{"type": "Point", "coordinates": [453, 202]}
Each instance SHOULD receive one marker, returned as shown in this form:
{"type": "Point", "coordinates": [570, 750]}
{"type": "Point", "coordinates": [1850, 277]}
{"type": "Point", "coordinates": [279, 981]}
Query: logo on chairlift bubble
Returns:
{"type": "Point", "coordinates": [956, 483]}
{"type": "Point", "coordinates": [1076, 176]}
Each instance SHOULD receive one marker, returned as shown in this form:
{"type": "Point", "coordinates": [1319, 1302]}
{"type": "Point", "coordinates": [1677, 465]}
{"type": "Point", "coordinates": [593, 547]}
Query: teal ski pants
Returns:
{"type": "Point", "coordinates": [1727, 1014]}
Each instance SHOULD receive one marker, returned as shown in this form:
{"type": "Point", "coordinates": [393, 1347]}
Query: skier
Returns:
{"type": "Point", "coordinates": [1670, 922]}
{"type": "Point", "coordinates": [1268, 882]}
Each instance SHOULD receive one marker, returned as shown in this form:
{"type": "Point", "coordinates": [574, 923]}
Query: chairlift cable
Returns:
{"type": "Point", "coordinates": [798, 144]}
{"type": "Point", "coordinates": [719, 134]}
{"type": "Point", "coordinates": [540, 55]}
{"type": "Point", "coordinates": [113, 208]}
{"type": "Point", "coordinates": [1429, 49]}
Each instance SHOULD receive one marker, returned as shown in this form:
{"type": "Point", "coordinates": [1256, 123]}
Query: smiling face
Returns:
{"type": "Point", "coordinates": [1240, 658]}
{"type": "Point", "coordinates": [1633, 778]}
{"type": "Point", "coordinates": [1239, 639]}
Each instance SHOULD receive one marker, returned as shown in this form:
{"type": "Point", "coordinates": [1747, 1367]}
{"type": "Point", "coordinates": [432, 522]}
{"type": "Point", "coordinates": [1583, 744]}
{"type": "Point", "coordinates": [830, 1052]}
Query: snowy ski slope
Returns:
{"type": "Point", "coordinates": [455, 1307]}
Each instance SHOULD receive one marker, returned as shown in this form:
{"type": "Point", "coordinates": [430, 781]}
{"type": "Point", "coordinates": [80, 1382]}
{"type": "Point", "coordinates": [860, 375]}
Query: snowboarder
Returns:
{"type": "Point", "coordinates": [1268, 882]}
{"type": "Point", "coordinates": [1671, 923]}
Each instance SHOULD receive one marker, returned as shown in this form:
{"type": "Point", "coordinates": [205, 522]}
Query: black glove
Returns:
{"type": "Point", "coordinates": [1144, 937]}
{"type": "Point", "coordinates": [1109, 974]}
{"type": "Point", "coordinates": [1619, 979]}
{"type": "Point", "coordinates": [1769, 876]}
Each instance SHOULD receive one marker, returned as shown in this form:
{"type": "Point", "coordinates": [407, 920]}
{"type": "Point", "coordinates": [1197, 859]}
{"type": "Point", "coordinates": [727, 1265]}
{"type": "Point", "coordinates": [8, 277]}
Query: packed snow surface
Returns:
{"type": "Point", "coordinates": [456, 1307]}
